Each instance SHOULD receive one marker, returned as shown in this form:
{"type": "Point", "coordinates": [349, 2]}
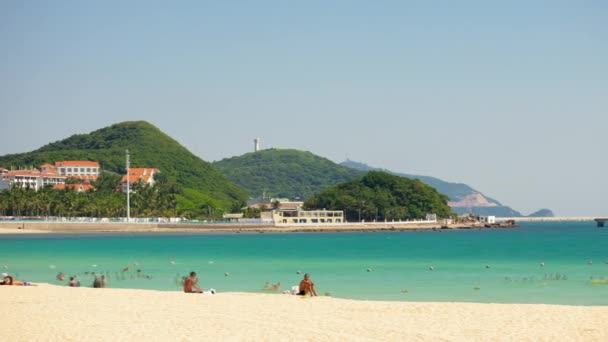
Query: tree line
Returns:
{"type": "Point", "coordinates": [381, 196]}
{"type": "Point", "coordinates": [106, 199]}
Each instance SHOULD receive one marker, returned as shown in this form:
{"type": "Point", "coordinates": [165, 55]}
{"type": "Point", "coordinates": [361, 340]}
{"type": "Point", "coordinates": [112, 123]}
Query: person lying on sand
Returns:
{"type": "Point", "coordinates": [9, 280]}
{"type": "Point", "coordinates": [307, 287]}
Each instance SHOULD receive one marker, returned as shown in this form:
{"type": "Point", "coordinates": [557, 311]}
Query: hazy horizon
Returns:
{"type": "Point", "coordinates": [508, 98]}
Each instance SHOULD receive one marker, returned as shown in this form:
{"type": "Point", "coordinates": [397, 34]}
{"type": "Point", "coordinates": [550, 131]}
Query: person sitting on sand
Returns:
{"type": "Point", "coordinates": [9, 280]}
{"type": "Point", "coordinates": [190, 285]}
{"type": "Point", "coordinates": [307, 287]}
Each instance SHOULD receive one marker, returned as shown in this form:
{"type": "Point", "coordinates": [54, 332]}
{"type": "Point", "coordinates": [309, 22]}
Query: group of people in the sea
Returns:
{"type": "Point", "coordinates": [273, 287]}
{"type": "Point", "coordinates": [99, 281]}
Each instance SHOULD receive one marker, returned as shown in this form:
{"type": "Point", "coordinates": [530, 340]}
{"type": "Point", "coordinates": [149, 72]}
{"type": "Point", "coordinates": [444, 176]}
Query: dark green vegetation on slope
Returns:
{"type": "Point", "coordinates": [382, 196]}
{"type": "Point", "coordinates": [203, 190]}
{"type": "Point", "coordinates": [455, 191]}
{"type": "Point", "coordinates": [284, 173]}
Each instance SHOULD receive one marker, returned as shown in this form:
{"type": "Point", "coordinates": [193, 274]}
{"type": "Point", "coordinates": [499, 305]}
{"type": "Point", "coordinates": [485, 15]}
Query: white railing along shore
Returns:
{"type": "Point", "coordinates": [355, 223]}
{"type": "Point", "coordinates": [162, 220]}
{"type": "Point", "coordinates": [132, 220]}
{"type": "Point", "coordinates": [549, 219]}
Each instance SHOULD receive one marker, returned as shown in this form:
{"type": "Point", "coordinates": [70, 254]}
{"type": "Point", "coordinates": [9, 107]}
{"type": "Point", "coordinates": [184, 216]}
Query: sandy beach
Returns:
{"type": "Point", "coordinates": [14, 229]}
{"type": "Point", "coordinates": [54, 313]}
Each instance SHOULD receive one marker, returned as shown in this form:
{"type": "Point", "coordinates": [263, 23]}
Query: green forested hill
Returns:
{"type": "Point", "coordinates": [203, 188]}
{"type": "Point", "coordinates": [284, 173]}
{"type": "Point", "coordinates": [382, 196]}
{"type": "Point", "coordinates": [457, 192]}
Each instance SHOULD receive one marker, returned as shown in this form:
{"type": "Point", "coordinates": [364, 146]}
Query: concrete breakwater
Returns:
{"type": "Point", "coordinates": [84, 227]}
{"type": "Point", "coordinates": [549, 219]}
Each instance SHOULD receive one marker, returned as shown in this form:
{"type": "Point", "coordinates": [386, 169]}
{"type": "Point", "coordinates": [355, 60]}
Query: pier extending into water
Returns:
{"type": "Point", "coordinates": [601, 221]}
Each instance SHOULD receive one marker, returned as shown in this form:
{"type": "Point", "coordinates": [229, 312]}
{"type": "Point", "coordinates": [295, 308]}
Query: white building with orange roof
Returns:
{"type": "Point", "coordinates": [51, 177]}
{"type": "Point", "coordinates": [145, 175]}
{"type": "Point", "coordinates": [84, 169]}
{"type": "Point", "coordinates": [32, 178]}
{"type": "Point", "coordinates": [22, 178]}
{"type": "Point", "coordinates": [50, 174]}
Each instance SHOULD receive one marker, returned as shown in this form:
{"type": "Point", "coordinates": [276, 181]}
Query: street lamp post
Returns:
{"type": "Point", "coordinates": [128, 190]}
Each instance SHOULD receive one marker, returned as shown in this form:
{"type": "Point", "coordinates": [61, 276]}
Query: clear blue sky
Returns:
{"type": "Point", "coordinates": [508, 97]}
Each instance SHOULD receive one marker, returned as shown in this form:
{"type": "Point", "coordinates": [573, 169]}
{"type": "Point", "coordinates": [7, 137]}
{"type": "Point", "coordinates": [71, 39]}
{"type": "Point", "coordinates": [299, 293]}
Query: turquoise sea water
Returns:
{"type": "Point", "coordinates": [573, 253]}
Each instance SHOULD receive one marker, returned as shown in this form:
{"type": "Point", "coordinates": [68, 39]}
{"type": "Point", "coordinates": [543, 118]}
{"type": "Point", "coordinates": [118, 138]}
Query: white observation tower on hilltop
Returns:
{"type": "Point", "coordinates": [256, 144]}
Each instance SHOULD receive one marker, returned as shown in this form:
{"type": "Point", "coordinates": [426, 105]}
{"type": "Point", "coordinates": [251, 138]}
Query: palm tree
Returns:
{"type": "Point", "coordinates": [4, 202]}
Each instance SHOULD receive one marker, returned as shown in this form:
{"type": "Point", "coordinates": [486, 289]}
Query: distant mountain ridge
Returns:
{"type": "Point", "coordinates": [203, 187]}
{"type": "Point", "coordinates": [542, 213]}
{"type": "Point", "coordinates": [300, 175]}
{"type": "Point", "coordinates": [463, 198]}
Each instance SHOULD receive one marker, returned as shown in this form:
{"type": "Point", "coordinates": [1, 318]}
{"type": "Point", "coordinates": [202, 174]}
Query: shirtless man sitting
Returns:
{"type": "Point", "coordinates": [190, 285]}
{"type": "Point", "coordinates": [307, 287]}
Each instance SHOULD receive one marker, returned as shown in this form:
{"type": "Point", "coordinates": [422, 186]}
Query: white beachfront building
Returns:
{"type": "Point", "coordinates": [50, 174]}
{"type": "Point", "coordinates": [307, 216]}
{"type": "Point", "coordinates": [32, 178]}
